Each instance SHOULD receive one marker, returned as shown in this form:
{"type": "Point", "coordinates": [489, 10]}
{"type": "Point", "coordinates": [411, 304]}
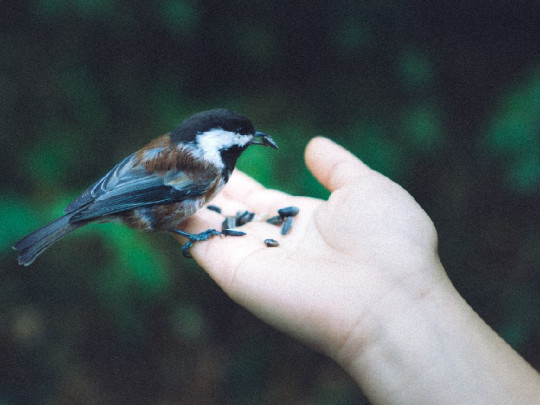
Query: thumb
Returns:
{"type": "Point", "coordinates": [333, 165]}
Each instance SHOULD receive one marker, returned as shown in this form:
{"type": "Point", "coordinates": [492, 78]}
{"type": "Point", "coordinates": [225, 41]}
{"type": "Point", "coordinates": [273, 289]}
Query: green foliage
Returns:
{"type": "Point", "coordinates": [415, 69]}
{"type": "Point", "coordinates": [257, 44]}
{"type": "Point", "coordinates": [523, 305]}
{"type": "Point", "coordinates": [189, 322]}
{"type": "Point", "coordinates": [48, 162]}
{"type": "Point", "coordinates": [134, 278]}
{"type": "Point", "coordinates": [85, 8]}
{"type": "Point", "coordinates": [515, 134]}
{"type": "Point", "coordinates": [179, 16]}
{"type": "Point", "coordinates": [17, 218]}
{"type": "Point", "coordinates": [145, 267]}
{"type": "Point", "coordinates": [449, 107]}
{"type": "Point", "coordinates": [354, 35]}
{"type": "Point", "coordinates": [377, 151]}
{"type": "Point", "coordinates": [422, 128]}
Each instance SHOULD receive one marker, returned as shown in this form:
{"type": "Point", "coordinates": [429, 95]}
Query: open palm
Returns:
{"type": "Point", "coordinates": [347, 252]}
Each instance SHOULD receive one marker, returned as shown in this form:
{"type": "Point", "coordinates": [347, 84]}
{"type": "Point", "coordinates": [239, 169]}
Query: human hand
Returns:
{"type": "Point", "coordinates": [343, 260]}
{"type": "Point", "coordinates": [359, 278]}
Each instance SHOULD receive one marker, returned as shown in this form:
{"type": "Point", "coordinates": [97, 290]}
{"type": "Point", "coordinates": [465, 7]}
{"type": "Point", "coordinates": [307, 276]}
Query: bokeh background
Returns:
{"type": "Point", "coordinates": [443, 97]}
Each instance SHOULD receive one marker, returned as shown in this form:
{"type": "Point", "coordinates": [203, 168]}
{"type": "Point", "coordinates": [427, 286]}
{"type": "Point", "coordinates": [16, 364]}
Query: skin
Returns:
{"type": "Point", "coordinates": [358, 278]}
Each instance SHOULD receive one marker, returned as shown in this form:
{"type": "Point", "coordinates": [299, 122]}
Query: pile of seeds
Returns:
{"type": "Point", "coordinates": [284, 218]}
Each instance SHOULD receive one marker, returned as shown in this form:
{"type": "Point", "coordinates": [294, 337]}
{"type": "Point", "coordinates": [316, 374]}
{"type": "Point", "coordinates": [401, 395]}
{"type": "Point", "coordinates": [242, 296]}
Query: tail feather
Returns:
{"type": "Point", "coordinates": [31, 246]}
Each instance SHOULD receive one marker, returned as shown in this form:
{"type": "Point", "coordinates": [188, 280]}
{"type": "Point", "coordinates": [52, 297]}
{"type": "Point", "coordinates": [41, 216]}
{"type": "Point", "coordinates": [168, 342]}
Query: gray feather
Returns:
{"type": "Point", "coordinates": [31, 246]}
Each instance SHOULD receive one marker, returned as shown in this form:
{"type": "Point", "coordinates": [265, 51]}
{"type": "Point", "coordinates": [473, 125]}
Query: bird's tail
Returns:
{"type": "Point", "coordinates": [31, 246]}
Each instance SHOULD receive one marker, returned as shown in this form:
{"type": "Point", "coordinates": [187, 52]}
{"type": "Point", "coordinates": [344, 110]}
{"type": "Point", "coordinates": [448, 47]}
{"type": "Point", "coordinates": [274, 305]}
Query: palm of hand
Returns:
{"type": "Point", "coordinates": [351, 250]}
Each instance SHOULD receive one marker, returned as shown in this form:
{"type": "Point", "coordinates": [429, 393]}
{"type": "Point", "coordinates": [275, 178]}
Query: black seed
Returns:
{"type": "Point", "coordinates": [288, 211]}
{"type": "Point", "coordinates": [243, 218]}
{"type": "Point", "coordinates": [228, 223]}
{"type": "Point", "coordinates": [214, 208]}
{"type": "Point", "coordinates": [232, 232]}
{"type": "Point", "coordinates": [277, 220]}
{"type": "Point", "coordinates": [286, 225]}
{"type": "Point", "coordinates": [271, 242]}
{"type": "Point", "coordinates": [240, 214]}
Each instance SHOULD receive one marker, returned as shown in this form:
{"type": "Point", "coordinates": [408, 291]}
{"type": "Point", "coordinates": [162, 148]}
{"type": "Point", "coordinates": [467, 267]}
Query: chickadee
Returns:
{"type": "Point", "coordinates": [162, 184]}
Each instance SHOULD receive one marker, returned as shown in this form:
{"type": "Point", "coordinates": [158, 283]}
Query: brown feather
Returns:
{"type": "Point", "coordinates": [166, 217]}
{"type": "Point", "coordinates": [172, 158]}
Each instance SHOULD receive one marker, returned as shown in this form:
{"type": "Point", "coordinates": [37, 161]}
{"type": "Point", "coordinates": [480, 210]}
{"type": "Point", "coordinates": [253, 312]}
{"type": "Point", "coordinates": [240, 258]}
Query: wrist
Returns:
{"type": "Point", "coordinates": [433, 348]}
{"type": "Point", "coordinates": [399, 356]}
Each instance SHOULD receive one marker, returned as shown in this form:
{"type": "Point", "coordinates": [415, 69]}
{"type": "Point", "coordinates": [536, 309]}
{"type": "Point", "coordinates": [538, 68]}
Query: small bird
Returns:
{"type": "Point", "coordinates": [162, 184]}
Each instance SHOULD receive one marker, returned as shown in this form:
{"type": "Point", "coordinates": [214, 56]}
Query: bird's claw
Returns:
{"type": "Point", "coordinates": [195, 237]}
{"type": "Point", "coordinates": [185, 250]}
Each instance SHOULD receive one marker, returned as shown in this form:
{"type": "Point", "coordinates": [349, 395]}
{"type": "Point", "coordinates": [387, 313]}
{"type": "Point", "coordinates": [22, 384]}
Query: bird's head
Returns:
{"type": "Point", "coordinates": [219, 137]}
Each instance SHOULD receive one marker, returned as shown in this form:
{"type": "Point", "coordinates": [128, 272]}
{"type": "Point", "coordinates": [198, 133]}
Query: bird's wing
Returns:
{"type": "Point", "coordinates": [123, 170]}
{"type": "Point", "coordinates": [128, 186]}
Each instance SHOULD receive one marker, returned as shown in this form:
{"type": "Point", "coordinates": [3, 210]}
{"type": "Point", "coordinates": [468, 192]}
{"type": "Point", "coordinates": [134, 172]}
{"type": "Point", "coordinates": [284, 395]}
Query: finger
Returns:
{"type": "Point", "coordinates": [333, 165]}
{"type": "Point", "coordinates": [255, 197]}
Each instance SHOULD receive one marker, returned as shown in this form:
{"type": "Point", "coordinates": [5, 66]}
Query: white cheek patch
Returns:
{"type": "Point", "coordinates": [212, 142]}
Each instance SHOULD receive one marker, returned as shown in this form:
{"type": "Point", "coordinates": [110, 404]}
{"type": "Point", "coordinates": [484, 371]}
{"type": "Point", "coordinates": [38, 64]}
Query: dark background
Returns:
{"type": "Point", "coordinates": [443, 97]}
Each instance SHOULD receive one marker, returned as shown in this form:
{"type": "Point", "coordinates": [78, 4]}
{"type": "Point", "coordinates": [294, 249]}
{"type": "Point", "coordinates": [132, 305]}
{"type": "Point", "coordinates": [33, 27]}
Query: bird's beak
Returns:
{"type": "Point", "coordinates": [260, 138]}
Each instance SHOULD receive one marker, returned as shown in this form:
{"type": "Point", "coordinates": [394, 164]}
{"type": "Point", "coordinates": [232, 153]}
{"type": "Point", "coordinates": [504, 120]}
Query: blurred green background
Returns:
{"type": "Point", "coordinates": [443, 97]}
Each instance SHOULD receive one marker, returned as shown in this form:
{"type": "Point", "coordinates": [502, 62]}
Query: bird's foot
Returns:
{"type": "Point", "coordinates": [194, 237]}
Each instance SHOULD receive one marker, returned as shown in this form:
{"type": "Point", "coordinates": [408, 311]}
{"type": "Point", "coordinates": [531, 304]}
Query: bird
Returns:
{"type": "Point", "coordinates": [160, 185]}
